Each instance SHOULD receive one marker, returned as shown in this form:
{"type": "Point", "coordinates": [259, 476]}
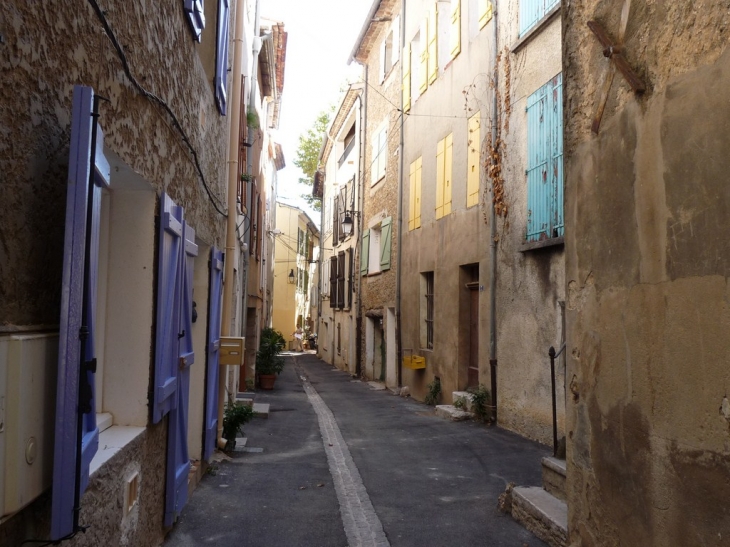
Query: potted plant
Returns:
{"type": "Point", "coordinates": [234, 416]}
{"type": "Point", "coordinates": [268, 361]}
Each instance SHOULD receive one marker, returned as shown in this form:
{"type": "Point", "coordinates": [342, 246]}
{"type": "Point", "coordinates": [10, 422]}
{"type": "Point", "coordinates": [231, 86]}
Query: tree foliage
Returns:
{"type": "Point", "coordinates": [310, 143]}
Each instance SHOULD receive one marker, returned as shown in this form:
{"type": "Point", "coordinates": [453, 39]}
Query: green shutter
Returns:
{"type": "Point", "coordinates": [364, 252]}
{"type": "Point", "coordinates": [385, 229]}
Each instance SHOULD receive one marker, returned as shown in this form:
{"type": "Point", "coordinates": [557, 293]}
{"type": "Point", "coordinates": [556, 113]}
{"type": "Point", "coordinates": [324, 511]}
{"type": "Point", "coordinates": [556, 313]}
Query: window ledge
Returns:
{"type": "Point", "coordinates": [535, 29]}
{"type": "Point", "coordinates": [534, 245]}
{"type": "Point", "coordinates": [111, 442]}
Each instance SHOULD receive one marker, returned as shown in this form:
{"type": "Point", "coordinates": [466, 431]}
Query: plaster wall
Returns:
{"type": "Point", "coordinates": [285, 259]}
{"type": "Point", "coordinates": [47, 49]}
{"type": "Point", "coordinates": [530, 283]}
{"type": "Point", "coordinates": [647, 280]}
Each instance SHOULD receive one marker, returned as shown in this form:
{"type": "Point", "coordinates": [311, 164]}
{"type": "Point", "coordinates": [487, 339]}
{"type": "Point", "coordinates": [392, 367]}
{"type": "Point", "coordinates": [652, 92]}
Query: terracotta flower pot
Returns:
{"type": "Point", "coordinates": [266, 381]}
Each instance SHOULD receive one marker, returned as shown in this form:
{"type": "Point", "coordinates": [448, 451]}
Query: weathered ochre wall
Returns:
{"type": "Point", "coordinates": [647, 278]}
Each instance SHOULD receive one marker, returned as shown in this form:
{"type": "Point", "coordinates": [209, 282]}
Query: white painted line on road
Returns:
{"type": "Point", "coordinates": [361, 523]}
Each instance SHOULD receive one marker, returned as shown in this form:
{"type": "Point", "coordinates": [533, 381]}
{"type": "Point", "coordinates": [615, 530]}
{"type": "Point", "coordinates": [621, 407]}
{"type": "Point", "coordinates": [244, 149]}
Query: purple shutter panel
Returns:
{"type": "Point", "coordinates": [215, 299]}
{"type": "Point", "coordinates": [195, 15]}
{"type": "Point", "coordinates": [178, 460]}
{"type": "Point", "coordinates": [74, 298]}
{"type": "Point", "coordinates": [221, 56]}
{"type": "Point", "coordinates": [168, 308]}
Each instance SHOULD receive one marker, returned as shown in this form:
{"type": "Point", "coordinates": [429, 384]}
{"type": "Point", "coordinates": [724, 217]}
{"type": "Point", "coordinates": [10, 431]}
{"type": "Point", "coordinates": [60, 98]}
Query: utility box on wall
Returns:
{"type": "Point", "coordinates": [28, 371]}
{"type": "Point", "coordinates": [231, 350]}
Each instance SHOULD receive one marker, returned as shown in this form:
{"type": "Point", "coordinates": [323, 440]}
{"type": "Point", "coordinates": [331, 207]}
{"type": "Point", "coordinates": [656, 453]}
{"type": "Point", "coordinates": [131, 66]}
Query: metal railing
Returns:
{"type": "Point", "coordinates": [553, 355]}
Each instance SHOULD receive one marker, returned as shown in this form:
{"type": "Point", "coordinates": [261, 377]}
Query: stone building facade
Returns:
{"type": "Point", "coordinates": [647, 277]}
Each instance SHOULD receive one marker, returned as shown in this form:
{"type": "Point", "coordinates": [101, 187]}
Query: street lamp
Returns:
{"type": "Point", "coordinates": [347, 222]}
{"type": "Point", "coordinates": [290, 277]}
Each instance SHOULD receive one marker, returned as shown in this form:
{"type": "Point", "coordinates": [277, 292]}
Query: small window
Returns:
{"type": "Point", "coordinates": [532, 11]}
{"type": "Point", "coordinates": [379, 153]}
{"type": "Point", "coordinates": [390, 49]}
{"type": "Point", "coordinates": [427, 310]}
{"type": "Point", "coordinates": [347, 144]}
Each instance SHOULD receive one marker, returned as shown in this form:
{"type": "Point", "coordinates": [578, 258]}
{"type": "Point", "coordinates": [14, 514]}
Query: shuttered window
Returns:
{"type": "Point", "coordinates": [385, 242]}
{"type": "Point", "coordinates": [485, 12]}
{"type": "Point", "coordinates": [350, 276]}
{"type": "Point", "coordinates": [407, 77]}
{"type": "Point", "coordinates": [545, 161]}
{"type": "Point", "coordinates": [433, 48]}
{"type": "Point", "coordinates": [364, 252]}
{"type": "Point", "coordinates": [444, 151]}
{"type": "Point", "coordinates": [221, 56]}
{"type": "Point", "coordinates": [423, 68]}
{"type": "Point", "coordinates": [333, 282]}
{"type": "Point", "coordinates": [194, 13]}
{"type": "Point", "coordinates": [474, 144]}
{"type": "Point", "coordinates": [532, 11]}
{"type": "Point", "coordinates": [379, 153]}
{"type": "Point", "coordinates": [414, 204]}
{"type": "Point", "coordinates": [455, 30]}
{"type": "Point", "coordinates": [341, 279]}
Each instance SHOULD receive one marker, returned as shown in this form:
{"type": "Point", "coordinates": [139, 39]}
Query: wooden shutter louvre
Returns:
{"type": "Point", "coordinates": [385, 243]}
{"type": "Point", "coordinates": [333, 281]}
{"type": "Point", "coordinates": [433, 48]}
{"type": "Point", "coordinates": [364, 252]}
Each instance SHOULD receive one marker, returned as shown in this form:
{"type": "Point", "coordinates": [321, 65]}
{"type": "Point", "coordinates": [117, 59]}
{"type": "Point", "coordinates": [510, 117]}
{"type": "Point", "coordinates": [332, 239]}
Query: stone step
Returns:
{"type": "Point", "coordinates": [541, 513]}
{"type": "Point", "coordinates": [450, 412]}
{"type": "Point", "coordinates": [553, 476]}
{"type": "Point", "coordinates": [261, 410]}
{"type": "Point", "coordinates": [466, 396]}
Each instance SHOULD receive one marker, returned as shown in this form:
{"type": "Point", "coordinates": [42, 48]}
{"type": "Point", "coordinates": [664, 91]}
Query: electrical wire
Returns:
{"type": "Point", "coordinates": [158, 100]}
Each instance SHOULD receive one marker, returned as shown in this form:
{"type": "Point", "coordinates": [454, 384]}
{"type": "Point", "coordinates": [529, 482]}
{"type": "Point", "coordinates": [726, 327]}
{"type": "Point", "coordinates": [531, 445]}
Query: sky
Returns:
{"type": "Point", "coordinates": [321, 35]}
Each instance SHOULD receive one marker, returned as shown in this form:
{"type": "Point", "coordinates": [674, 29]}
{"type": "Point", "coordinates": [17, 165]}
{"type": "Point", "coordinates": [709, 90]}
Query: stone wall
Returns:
{"type": "Point", "coordinates": [647, 279]}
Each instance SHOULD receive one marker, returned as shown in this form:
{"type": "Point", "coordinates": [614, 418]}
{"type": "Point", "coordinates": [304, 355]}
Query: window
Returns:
{"type": "Point", "coordinates": [443, 176]}
{"type": "Point", "coordinates": [448, 28]}
{"type": "Point", "coordinates": [480, 13]}
{"type": "Point", "coordinates": [433, 44]}
{"type": "Point", "coordinates": [221, 57]}
{"type": "Point", "coordinates": [195, 16]}
{"type": "Point", "coordinates": [390, 49]}
{"type": "Point", "coordinates": [348, 144]}
{"type": "Point", "coordinates": [545, 161]}
{"type": "Point", "coordinates": [380, 153]}
{"type": "Point", "coordinates": [325, 279]}
{"type": "Point", "coordinates": [454, 29]}
{"type": "Point", "coordinates": [376, 248]}
{"type": "Point", "coordinates": [414, 203]}
{"type": "Point", "coordinates": [427, 310]}
{"type": "Point", "coordinates": [423, 57]}
{"type": "Point", "coordinates": [474, 145]}
{"type": "Point", "coordinates": [532, 11]}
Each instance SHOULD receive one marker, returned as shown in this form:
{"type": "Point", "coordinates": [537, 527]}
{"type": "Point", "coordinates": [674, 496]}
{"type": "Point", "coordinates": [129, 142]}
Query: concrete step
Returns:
{"type": "Point", "coordinates": [450, 412]}
{"type": "Point", "coordinates": [541, 513]}
{"type": "Point", "coordinates": [467, 397]}
{"type": "Point", "coordinates": [553, 476]}
{"type": "Point", "coordinates": [261, 410]}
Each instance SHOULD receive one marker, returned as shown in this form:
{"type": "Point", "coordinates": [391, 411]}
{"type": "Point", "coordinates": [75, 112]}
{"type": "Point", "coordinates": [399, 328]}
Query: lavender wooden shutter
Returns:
{"type": "Point", "coordinates": [221, 57]}
{"type": "Point", "coordinates": [194, 13]}
{"type": "Point", "coordinates": [168, 308]}
{"type": "Point", "coordinates": [178, 460]}
{"type": "Point", "coordinates": [74, 297]}
{"type": "Point", "coordinates": [215, 299]}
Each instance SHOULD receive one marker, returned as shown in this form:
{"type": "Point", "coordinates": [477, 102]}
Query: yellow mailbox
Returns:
{"type": "Point", "coordinates": [413, 362]}
{"type": "Point", "coordinates": [231, 351]}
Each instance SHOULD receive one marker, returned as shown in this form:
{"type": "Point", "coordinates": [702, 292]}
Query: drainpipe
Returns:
{"type": "Point", "coordinates": [231, 237]}
{"type": "Point", "coordinates": [401, 160]}
{"type": "Point", "coordinates": [363, 99]}
{"type": "Point", "coordinates": [493, 240]}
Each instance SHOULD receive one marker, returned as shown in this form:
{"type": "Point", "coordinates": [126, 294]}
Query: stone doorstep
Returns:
{"type": "Point", "coordinates": [261, 410]}
{"type": "Point", "coordinates": [450, 412]}
{"type": "Point", "coordinates": [553, 476]}
{"type": "Point", "coordinates": [541, 513]}
{"type": "Point", "coordinates": [468, 398]}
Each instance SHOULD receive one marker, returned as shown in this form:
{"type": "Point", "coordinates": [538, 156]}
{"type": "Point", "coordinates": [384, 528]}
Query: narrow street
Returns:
{"type": "Point", "coordinates": [338, 462]}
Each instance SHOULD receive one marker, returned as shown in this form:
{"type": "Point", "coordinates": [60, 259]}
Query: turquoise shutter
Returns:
{"type": "Point", "coordinates": [364, 251]}
{"type": "Point", "coordinates": [385, 237]}
{"type": "Point", "coordinates": [545, 162]}
{"type": "Point", "coordinates": [76, 355]}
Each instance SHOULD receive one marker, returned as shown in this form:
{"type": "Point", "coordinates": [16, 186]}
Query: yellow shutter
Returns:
{"type": "Point", "coordinates": [473, 161]}
{"type": "Point", "coordinates": [417, 223]}
{"type": "Point", "coordinates": [423, 69]}
{"type": "Point", "coordinates": [485, 12]}
{"type": "Point", "coordinates": [448, 153]}
{"type": "Point", "coordinates": [412, 200]}
{"type": "Point", "coordinates": [440, 179]}
{"type": "Point", "coordinates": [433, 45]}
{"type": "Point", "coordinates": [407, 77]}
{"type": "Point", "coordinates": [455, 32]}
